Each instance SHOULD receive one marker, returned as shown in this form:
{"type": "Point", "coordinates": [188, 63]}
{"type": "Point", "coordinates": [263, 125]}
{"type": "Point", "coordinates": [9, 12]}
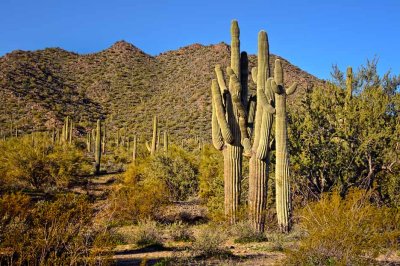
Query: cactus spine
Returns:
{"type": "Point", "coordinates": [259, 161]}
{"type": "Point", "coordinates": [283, 197]}
{"type": "Point", "coordinates": [228, 122]}
{"type": "Point", "coordinates": [98, 147]}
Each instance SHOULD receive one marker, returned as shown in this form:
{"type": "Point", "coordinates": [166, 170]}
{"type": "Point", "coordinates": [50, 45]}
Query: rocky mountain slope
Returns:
{"type": "Point", "coordinates": [122, 84]}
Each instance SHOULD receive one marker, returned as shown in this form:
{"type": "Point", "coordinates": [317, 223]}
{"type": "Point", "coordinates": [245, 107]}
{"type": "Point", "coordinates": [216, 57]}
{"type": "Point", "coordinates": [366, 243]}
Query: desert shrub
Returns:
{"type": "Point", "coordinates": [138, 199]}
{"type": "Point", "coordinates": [147, 233]}
{"type": "Point", "coordinates": [345, 231]}
{"type": "Point", "coordinates": [211, 182]}
{"type": "Point", "coordinates": [180, 231]}
{"type": "Point", "coordinates": [245, 233]}
{"type": "Point", "coordinates": [209, 242]}
{"type": "Point", "coordinates": [151, 183]}
{"type": "Point", "coordinates": [50, 233]}
{"type": "Point", "coordinates": [27, 163]}
{"type": "Point", "coordinates": [277, 241]}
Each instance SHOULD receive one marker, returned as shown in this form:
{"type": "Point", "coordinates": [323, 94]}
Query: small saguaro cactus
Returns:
{"type": "Point", "coordinates": [88, 142]}
{"type": "Point", "coordinates": [165, 142]}
{"type": "Point", "coordinates": [134, 148]}
{"type": "Point", "coordinates": [98, 147]}
{"type": "Point", "coordinates": [65, 130]}
{"type": "Point", "coordinates": [283, 197]}
{"type": "Point", "coordinates": [259, 161]}
{"type": "Point", "coordinates": [152, 149]}
{"type": "Point", "coordinates": [117, 138]}
{"type": "Point", "coordinates": [103, 140]}
{"type": "Point", "coordinates": [349, 83]}
{"type": "Point", "coordinates": [349, 87]}
{"type": "Point", "coordinates": [229, 132]}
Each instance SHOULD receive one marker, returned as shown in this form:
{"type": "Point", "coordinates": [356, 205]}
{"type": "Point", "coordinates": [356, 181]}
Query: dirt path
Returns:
{"type": "Point", "coordinates": [178, 254]}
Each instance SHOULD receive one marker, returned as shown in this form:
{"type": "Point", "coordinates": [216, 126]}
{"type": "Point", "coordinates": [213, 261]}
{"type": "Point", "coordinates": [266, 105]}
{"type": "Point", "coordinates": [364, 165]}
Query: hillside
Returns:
{"type": "Point", "coordinates": [122, 84]}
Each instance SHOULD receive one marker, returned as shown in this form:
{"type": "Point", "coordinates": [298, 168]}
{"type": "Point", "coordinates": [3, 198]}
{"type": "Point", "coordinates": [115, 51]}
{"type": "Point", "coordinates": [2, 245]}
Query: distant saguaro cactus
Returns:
{"type": "Point", "coordinates": [165, 142]}
{"type": "Point", "coordinates": [134, 149]}
{"type": "Point", "coordinates": [283, 197]}
{"type": "Point", "coordinates": [88, 142]}
{"type": "Point", "coordinates": [152, 149]}
{"type": "Point", "coordinates": [103, 140]}
{"type": "Point", "coordinates": [349, 82]}
{"type": "Point", "coordinates": [98, 147]}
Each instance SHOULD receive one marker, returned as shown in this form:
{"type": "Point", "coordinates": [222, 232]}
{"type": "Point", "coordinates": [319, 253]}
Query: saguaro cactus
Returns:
{"type": "Point", "coordinates": [283, 197]}
{"type": "Point", "coordinates": [229, 131]}
{"type": "Point", "coordinates": [104, 139]}
{"type": "Point", "coordinates": [152, 149]}
{"type": "Point", "coordinates": [165, 142]}
{"type": "Point", "coordinates": [88, 142]}
{"type": "Point", "coordinates": [98, 147]}
{"type": "Point", "coordinates": [134, 148]}
{"type": "Point", "coordinates": [65, 130]}
{"type": "Point", "coordinates": [349, 83]}
{"type": "Point", "coordinates": [259, 161]}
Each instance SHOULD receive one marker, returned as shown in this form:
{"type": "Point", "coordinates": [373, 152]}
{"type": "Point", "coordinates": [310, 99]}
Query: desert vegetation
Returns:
{"type": "Point", "coordinates": [269, 166]}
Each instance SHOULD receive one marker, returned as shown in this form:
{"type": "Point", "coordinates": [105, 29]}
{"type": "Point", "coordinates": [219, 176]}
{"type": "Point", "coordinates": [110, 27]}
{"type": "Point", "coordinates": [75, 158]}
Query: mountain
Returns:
{"type": "Point", "coordinates": [122, 84]}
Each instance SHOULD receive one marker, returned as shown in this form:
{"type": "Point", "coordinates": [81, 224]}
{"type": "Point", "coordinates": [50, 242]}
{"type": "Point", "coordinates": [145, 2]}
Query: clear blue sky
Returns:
{"type": "Point", "coordinates": [312, 34]}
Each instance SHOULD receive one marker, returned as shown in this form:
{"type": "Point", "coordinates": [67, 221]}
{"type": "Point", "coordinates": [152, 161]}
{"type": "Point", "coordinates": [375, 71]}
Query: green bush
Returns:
{"type": "Point", "coordinates": [38, 164]}
{"type": "Point", "coordinates": [151, 183]}
{"type": "Point", "coordinates": [138, 199]}
{"type": "Point", "coordinates": [350, 231]}
{"type": "Point", "coordinates": [211, 182]}
{"type": "Point", "coordinates": [56, 232]}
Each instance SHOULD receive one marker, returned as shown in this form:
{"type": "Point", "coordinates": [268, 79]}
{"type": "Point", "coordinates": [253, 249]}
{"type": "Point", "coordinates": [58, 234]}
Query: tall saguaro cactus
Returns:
{"type": "Point", "coordinates": [98, 147]}
{"type": "Point", "coordinates": [283, 197]}
{"type": "Point", "coordinates": [259, 161]}
{"type": "Point", "coordinates": [229, 123]}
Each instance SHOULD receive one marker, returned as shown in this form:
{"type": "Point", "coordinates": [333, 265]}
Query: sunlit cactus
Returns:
{"type": "Point", "coordinates": [229, 130]}
{"type": "Point", "coordinates": [259, 161]}
{"type": "Point", "coordinates": [283, 197]}
{"type": "Point", "coordinates": [165, 142]}
{"type": "Point", "coordinates": [103, 140]}
{"type": "Point", "coordinates": [153, 147]}
{"type": "Point", "coordinates": [98, 147]}
{"type": "Point", "coordinates": [134, 148]}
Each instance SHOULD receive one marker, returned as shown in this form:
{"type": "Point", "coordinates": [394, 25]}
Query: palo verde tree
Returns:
{"type": "Point", "coordinates": [344, 141]}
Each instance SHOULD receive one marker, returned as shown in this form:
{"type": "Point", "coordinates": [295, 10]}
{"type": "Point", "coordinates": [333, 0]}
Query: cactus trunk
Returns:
{"type": "Point", "coordinates": [229, 122]}
{"type": "Point", "coordinates": [258, 167]}
{"type": "Point", "coordinates": [154, 138]}
{"type": "Point", "coordinates": [134, 149]}
{"type": "Point", "coordinates": [98, 147]}
{"type": "Point", "coordinates": [283, 204]}
{"type": "Point", "coordinates": [283, 197]}
{"type": "Point", "coordinates": [165, 142]}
